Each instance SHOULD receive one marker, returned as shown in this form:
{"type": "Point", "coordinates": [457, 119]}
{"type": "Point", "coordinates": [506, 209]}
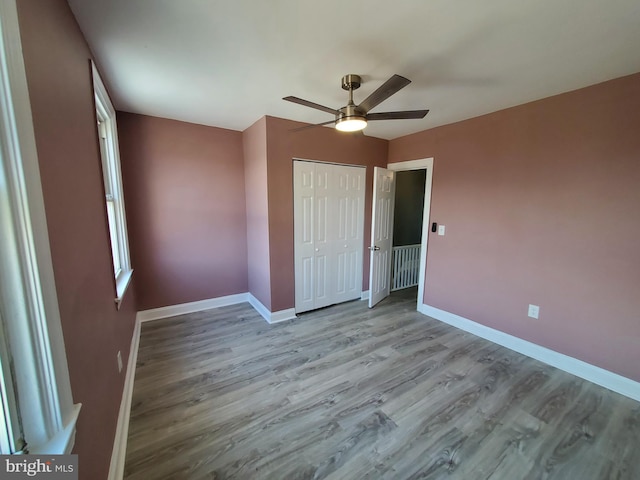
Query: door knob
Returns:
{"type": "Point", "coordinates": [374, 248]}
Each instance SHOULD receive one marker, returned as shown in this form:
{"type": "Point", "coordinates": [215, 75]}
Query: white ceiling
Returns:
{"type": "Point", "coordinates": [229, 62]}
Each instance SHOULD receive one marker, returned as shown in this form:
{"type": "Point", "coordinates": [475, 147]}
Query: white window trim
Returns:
{"type": "Point", "coordinates": [112, 174]}
{"type": "Point", "coordinates": [34, 328]}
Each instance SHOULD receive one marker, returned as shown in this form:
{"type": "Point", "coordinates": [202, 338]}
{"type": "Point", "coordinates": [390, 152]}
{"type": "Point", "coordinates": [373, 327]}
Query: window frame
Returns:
{"type": "Point", "coordinates": [29, 301]}
{"type": "Point", "coordinates": [107, 132]}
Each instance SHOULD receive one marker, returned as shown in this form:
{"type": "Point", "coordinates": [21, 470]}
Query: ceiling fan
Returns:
{"type": "Point", "coordinates": [352, 117]}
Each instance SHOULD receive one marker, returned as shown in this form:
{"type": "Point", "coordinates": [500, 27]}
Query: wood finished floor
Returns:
{"type": "Point", "coordinates": [352, 393]}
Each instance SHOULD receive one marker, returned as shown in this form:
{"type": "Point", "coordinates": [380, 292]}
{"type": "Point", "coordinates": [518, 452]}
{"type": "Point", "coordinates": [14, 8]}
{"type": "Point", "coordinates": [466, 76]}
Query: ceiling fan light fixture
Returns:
{"type": "Point", "coordinates": [351, 124]}
{"type": "Point", "coordinates": [354, 118]}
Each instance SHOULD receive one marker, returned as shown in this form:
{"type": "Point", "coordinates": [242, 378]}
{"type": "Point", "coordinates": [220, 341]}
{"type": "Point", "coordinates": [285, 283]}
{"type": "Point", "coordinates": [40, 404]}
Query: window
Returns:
{"type": "Point", "coordinates": [37, 411]}
{"type": "Point", "coordinates": [114, 200]}
{"type": "Point", "coordinates": [11, 432]}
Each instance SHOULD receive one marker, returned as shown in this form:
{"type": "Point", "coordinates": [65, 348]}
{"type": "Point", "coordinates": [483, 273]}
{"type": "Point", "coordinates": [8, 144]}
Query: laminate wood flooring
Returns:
{"type": "Point", "coordinates": [352, 393]}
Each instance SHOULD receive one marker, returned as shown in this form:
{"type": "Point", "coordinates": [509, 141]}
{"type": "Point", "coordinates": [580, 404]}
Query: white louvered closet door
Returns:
{"type": "Point", "coordinates": [328, 229]}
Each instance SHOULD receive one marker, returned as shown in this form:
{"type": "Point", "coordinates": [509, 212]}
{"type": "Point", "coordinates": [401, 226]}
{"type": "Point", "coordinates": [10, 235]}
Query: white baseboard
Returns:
{"type": "Point", "coordinates": [118, 454]}
{"type": "Point", "coordinates": [271, 317]}
{"type": "Point", "coordinates": [364, 295]}
{"type": "Point", "coordinates": [283, 315]}
{"type": "Point", "coordinates": [183, 308]}
{"type": "Point", "coordinates": [597, 375]}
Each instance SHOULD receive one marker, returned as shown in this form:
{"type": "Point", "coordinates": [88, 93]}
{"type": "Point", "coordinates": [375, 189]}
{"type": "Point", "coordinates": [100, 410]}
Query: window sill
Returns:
{"type": "Point", "coordinates": [62, 442]}
{"type": "Point", "coordinates": [122, 283]}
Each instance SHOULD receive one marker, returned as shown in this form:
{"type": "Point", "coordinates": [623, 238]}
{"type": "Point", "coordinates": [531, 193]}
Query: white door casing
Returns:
{"type": "Point", "coordinates": [381, 234]}
{"type": "Point", "coordinates": [421, 164]}
{"type": "Point", "coordinates": [328, 233]}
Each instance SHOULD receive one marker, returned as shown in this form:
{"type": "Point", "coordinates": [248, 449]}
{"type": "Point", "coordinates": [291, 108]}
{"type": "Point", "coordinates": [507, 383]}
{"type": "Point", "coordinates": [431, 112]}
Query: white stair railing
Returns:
{"type": "Point", "coordinates": [405, 266]}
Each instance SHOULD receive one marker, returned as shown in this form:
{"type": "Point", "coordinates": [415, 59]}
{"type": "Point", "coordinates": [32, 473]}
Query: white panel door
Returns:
{"type": "Point", "coordinates": [384, 187]}
{"type": "Point", "coordinates": [304, 233]}
{"type": "Point", "coordinates": [324, 254]}
{"type": "Point", "coordinates": [349, 186]}
{"type": "Point", "coordinates": [328, 233]}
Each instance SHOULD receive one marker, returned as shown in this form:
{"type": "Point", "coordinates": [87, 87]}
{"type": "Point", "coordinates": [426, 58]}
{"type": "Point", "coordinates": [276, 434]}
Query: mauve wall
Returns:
{"type": "Point", "coordinates": [254, 140]}
{"type": "Point", "coordinates": [323, 144]}
{"type": "Point", "coordinates": [58, 73]}
{"type": "Point", "coordinates": [184, 185]}
{"type": "Point", "coordinates": [542, 205]}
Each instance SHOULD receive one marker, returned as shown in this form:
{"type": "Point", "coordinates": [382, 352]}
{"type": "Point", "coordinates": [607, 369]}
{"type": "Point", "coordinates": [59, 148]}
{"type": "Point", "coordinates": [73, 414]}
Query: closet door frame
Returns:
{"type": "Point", "coordinates": [325, 245]}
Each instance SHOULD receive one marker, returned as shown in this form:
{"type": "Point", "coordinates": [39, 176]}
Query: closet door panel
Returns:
{"type": "Point", "coordinates": [341, 240]}
{"type": "Point", "coordinates": [304, 235]}
{"type": "Point", "coordinates": [324, 246]}
{"type": "Point", "coordinates": [349, 195]}
{"type": "Point", "coordinates": [329, 223]}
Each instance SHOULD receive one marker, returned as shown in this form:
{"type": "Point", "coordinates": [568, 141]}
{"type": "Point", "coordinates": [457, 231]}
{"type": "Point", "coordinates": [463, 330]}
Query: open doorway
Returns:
{"type": "Point", "coordinates": [380, 252]}
{"type": "Point", "coordinates": [407, 232]}
{"type": "Point", "coordinates": [425, 164]}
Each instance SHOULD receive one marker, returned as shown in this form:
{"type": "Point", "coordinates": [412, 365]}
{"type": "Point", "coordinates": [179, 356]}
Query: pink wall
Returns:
{"type": "Point", "coordinates": [541, 204]}
{"type": "Point", "coordinates": [323, 144]}
{"type": "Point", "coordinates": [184, 187]}
{"type": "Point", "coordinates": [254, 140]}
{"type": "Point", "coordinates": [58, 74]}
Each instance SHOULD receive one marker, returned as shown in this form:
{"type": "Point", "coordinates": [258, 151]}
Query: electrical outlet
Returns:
{"type": "Point", "coordinates": [119, 357]}
{"type": "Point", "coordinates": [534, 311]}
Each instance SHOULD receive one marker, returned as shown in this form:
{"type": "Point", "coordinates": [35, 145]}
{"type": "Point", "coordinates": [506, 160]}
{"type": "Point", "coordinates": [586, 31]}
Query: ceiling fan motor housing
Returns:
{"type": "Point", "coordinates": [351, 82]}
{"type": "Point", "coordinates": [349, 111]}
{"type": "Point", "coordinates": [351, 118]}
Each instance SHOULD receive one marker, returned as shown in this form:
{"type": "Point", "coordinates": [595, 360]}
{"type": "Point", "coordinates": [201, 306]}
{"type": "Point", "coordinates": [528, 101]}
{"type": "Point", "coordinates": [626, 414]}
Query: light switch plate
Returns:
{"type": "Point", "coordinates": [440, 230]}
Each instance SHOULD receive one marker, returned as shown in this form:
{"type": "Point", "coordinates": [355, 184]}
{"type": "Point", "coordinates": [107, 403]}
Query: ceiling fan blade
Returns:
{"type": "Point", "coordinates": [311, 126]}
{"type": "Point", "coordinates": [307, 103]}
{"type": "Point", "coordinates": [383, 92]}
{"type": "Point", "coordinates": [405, 115]}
